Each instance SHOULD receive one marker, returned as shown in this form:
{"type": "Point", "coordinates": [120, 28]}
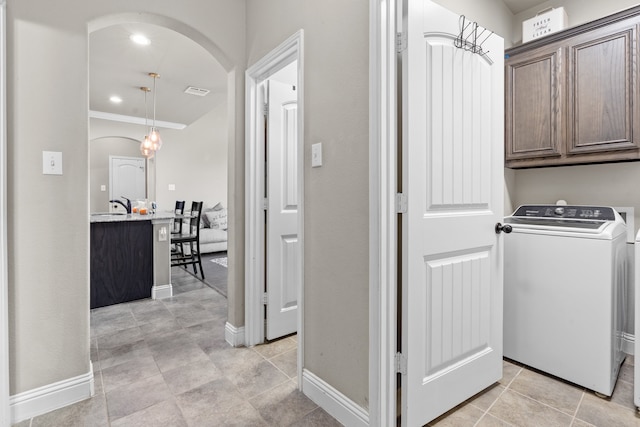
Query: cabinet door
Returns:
{"type": "Point", "coordinates": [534, 110]}
{"type": "Point", "coordinates": [602, 88]}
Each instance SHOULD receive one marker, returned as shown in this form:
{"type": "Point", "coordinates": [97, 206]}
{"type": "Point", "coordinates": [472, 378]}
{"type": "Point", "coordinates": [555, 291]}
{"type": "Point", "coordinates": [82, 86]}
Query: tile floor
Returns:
{"type": "Point", "coordinates": [166, 363]}
{"type": "Point", "coordinates": [527, 398]}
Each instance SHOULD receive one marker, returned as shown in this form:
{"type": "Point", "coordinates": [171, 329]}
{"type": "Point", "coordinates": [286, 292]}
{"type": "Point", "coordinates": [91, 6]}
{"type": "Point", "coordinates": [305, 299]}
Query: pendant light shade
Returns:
{"type": "Point", "coordinates": [154, 134]}
{"type": "Point", "coordinates": [154, 137]}
{"type": "Point", "coordinates": [146, 146]}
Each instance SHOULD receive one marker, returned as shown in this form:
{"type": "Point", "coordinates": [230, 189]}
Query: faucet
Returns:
{"type": "Point", "coordinates": [127, 206]}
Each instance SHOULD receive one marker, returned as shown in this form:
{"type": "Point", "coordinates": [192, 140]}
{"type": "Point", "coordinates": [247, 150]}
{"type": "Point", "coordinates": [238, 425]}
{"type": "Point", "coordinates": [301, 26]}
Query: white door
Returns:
{"type": "Point", "coordinates": [127, 178]}
{"type": "Point", "coordinates": [282, 211]}
{"type": "Point", "coordinates": [453, 183]}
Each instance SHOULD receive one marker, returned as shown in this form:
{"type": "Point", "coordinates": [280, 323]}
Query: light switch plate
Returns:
{"type": "Point", "coordinates": [172, 187]}
{"type": "Point", "coordinates": [51, 163]}
{"type": "Point", "coordinates": [316, 155]}
{"type": "Point", "coordinates": [103, 188]}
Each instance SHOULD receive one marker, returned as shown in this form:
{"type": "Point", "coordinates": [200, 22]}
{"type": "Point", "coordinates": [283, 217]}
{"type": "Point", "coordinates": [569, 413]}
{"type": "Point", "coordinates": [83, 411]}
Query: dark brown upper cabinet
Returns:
{"type": "Point", "coordinates": [572, 97]}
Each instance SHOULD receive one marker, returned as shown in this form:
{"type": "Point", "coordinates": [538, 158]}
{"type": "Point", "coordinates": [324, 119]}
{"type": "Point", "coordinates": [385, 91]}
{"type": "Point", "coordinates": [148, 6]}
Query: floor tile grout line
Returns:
{"type": "Point", "coordinates": [248, 400]}
{"type": "Point", "coordinates": [575, 413]}
{"type": "Point", "coordinates": [278, 368]}
{"type": "Point", "coordinates": [541, 403]}
{"type": "Point", "coordinates": [486, 414]}
{"type": "Point", "coordinates": [275, 355]}
{"type": "Point", "coordinates": [496, 400]}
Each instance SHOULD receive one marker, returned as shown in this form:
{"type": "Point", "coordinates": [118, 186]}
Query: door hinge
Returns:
{"type": "Point", "coordinates": [265, 204]}
{"type": "Point", "coordinates": [265, 298]}
{"type": "Point", "coordinates": [401, 203]}
{"type": "Point", "coordinates": [401, 364]}
{"type": "Point", "coordinates": [401, 42]}
{"type": "Point", "coordinates": [265, 109]}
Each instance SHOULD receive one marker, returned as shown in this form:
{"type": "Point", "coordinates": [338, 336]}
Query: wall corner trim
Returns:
{"type": "Point", "coordinates": [331, 400]}
{"type": "Point", "coordinates": [234, 335]}
{"type": "Point", "coordinates": [50, 397]}
{"type": "Point", "coordinates": [628, 343]}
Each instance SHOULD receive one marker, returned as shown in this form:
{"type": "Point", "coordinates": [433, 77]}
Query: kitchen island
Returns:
{"type": "Point", "coordinates": [130, 257]}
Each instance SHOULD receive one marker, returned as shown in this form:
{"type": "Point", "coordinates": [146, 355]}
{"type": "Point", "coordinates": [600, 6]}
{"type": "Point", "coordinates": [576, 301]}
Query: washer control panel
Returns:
{"type": "Point", "coordinates": [567, 212]}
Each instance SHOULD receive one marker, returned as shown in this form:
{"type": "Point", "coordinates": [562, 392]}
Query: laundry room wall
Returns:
{"type": "Point", "coordinates": [612, 184]}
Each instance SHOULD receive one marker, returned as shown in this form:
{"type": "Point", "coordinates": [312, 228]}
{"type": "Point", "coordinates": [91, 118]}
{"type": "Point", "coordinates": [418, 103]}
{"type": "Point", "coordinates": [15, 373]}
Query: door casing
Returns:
{"type": "Point", "coordinates": [383, 230]}
{"type": "Point", "coordinates": [5, 417]}
{"type": "Point", "coordinates": [287, 52]}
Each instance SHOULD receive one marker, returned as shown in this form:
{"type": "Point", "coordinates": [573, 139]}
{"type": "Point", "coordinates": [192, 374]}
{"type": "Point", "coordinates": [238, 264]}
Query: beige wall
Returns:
{"type": "Point", "coordinates": [336, 43]}
{"type": "Point", "coordinates": [195, 161]}
{"type": "Point", "coordinates": [491, 14]}
{"type": "Point", "coordinates": [47, 216]}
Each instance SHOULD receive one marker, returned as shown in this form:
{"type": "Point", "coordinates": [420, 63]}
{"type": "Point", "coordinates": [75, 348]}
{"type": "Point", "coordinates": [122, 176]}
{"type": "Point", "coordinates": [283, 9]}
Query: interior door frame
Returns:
{"type": "Point", "coordinates": [5, 416]}
{"type": "Point", "coordinates": [383, 230]}
{"type": "Point", "coordinates": [287, 52]}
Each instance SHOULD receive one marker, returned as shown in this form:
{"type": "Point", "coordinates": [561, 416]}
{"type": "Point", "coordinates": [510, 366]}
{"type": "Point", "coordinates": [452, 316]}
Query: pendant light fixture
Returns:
{"type": "Point", "coordinates": [146, 146]}
{"type": "Point", "coordinates": [154, 134]}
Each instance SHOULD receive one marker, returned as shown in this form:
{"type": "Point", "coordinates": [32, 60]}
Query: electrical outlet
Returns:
{"type": "Point", "coordinates": [162, 234]}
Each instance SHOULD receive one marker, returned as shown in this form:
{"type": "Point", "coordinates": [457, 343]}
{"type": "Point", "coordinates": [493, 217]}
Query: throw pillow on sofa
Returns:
{"type": "Point", "coordinates": [216, 219]}
{"type": "Point", "coordinates": [204, 221]}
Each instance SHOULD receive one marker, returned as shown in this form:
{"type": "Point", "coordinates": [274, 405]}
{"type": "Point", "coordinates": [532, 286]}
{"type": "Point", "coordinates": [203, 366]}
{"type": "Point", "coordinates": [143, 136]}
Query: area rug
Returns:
{"type": "Point", "coordinates": [215, 271]}
{"type": "Point", "coordinates": [222, 261]}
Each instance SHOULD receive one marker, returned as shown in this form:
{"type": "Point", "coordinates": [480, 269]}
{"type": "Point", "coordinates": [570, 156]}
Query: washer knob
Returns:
{"type": "Point", "coordinates": [559, 211]}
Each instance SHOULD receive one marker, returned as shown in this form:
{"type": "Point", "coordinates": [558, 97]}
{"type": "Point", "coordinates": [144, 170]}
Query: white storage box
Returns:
{"type": "Point", "coordinates": [546, 22]}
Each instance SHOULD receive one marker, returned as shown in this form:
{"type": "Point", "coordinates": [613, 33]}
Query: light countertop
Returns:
{"type": "Point", "coordinates": [116, 217]}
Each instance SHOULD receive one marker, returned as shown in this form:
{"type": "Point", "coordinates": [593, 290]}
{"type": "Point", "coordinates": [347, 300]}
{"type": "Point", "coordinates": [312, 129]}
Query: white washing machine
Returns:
{"type": "Point", "coordinates": [564, 292]}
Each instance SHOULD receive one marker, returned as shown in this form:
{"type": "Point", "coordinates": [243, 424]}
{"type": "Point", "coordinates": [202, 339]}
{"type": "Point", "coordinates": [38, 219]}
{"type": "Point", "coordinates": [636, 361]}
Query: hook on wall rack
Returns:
{"type": "Point", "coordinates": [471, 36]}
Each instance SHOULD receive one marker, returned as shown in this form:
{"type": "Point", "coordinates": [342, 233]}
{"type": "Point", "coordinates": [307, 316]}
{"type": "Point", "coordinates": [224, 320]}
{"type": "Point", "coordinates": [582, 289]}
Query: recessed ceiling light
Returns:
{"type": "Point", "coordinates": [115, 99]}
{"type": "Point", "coordinates": [140, 39]}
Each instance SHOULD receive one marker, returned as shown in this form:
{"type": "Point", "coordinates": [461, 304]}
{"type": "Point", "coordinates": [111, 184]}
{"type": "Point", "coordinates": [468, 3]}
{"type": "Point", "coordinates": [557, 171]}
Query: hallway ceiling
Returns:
{"type": "Point", "coordinates": [119, 67]}
{"type": "Point", "coordinates": [517, 6]}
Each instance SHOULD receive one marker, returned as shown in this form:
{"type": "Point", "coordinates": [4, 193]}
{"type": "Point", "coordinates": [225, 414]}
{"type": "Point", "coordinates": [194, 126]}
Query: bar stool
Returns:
{"type": "Point", "coordinates": [190, 237]}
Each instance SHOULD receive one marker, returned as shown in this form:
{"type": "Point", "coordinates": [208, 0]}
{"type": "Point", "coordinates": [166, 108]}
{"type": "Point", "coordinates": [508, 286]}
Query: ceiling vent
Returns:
{"type": "Point", "coordinates": [198, 91]}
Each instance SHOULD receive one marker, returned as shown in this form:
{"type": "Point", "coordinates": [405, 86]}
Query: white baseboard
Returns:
{"type": "Point", "coordinates": [234, 335]}
{"type": "Point", "coordinates": [331, 400]}
{"type": "Point", "coordinates": [628, 342]}
{"type": "Point", "coordinates": [162, 291]}
{"type": "Point", "coordinates": [50, 397]}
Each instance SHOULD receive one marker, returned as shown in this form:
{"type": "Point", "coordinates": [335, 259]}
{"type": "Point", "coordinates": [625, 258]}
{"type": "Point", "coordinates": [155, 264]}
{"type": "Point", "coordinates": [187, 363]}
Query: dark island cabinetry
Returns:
{"type": "Point", "coordinates": [121, 261]}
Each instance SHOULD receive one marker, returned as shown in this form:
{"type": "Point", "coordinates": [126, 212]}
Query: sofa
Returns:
{"type": "Point", "coordinates": [213, 229]}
